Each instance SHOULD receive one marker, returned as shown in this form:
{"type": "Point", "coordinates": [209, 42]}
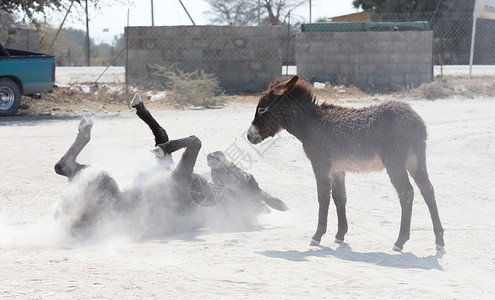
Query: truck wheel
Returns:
{"type": "Point", "coordinates": [10, 97]}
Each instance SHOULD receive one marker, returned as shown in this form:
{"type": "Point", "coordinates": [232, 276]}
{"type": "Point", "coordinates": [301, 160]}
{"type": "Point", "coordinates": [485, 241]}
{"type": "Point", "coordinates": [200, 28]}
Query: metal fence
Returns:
{"type": "Point", "coordinates": [243, 58]}
{"type": "Point", "coordinates": [251, 56]}
{"type": "Point", "coordinates": [452, 36]}
{"type": "Point", "coordinates": [248, 58]}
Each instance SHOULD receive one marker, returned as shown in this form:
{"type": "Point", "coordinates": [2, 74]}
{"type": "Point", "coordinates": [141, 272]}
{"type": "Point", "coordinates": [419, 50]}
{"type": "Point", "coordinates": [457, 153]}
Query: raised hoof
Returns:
{"type": "Point", "coordinates": [158, 151]}
{"type": "Point", "coordinates": [397, 248]}
{"type": "Point", "coordinates": [440, 248]}
{"type": "Point", "coordinates": [218, 160]}
{"type": "Point", "coordinates": [136, 100]}
{"type": "Point", "coordinates": [338, 241]}
{"type": "Point", "coordinates": [314, 243]}
{"type": "Point", "coordinates": [85, 122]}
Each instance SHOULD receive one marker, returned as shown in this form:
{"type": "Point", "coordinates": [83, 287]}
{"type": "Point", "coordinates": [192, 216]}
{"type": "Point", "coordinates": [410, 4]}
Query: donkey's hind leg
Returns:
{"type": "Point", "coordinates": [340, 199]}
{"type": "Point", "coordinates": [185, 167]}
{"type": "Point", "coordinates": [400, 180]}
{"type": "Point", "coordinates": [420, 176]}
{"type": "Point", "coordinates": [143, 113]}
{"type": "Point", "coordinates": [67, 165]}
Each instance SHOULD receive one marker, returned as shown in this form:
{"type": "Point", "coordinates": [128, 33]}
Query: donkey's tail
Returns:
{"type": "Point", "coordinates": [416, 163]}
{"type": "Point", "coordinates": [273, 202]}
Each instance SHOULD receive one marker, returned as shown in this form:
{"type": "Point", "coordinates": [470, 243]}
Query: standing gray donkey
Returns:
{"type": "Point", "coordinates": [339, 139]}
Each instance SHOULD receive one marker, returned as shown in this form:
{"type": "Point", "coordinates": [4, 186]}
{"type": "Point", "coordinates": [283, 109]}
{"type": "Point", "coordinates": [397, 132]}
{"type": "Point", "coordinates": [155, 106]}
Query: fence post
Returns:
{"type": "Point", "coordinates": [473, 33]}
{"type": "Point", "coordinates": [126, 32]}
{"type": "Point", "coordinates": [288, 45]}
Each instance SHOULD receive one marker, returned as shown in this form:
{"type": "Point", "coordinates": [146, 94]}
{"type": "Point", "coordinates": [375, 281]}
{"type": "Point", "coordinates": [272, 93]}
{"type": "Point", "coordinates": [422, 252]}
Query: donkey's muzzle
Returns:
{"type": "Point", "coordinates": [253, 135]}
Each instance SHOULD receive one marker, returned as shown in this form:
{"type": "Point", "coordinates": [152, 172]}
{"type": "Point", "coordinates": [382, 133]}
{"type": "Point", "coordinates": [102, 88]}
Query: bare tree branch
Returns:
{"type": "Point", "coordinates": [245, 12]}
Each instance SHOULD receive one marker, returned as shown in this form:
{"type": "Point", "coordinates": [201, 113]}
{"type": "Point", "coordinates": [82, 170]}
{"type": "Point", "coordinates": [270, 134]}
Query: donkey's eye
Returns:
{"type": "Point", "coordinates": [261, 110]}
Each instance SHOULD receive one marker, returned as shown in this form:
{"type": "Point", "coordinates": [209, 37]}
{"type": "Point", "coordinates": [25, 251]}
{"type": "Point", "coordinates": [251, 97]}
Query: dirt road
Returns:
{"type": "Point", "coordinates": [273, 261]}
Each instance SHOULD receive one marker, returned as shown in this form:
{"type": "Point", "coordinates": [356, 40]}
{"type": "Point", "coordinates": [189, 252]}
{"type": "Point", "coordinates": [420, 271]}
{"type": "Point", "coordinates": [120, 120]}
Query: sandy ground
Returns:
{"type": "Point", "coordinates": [273, 261]}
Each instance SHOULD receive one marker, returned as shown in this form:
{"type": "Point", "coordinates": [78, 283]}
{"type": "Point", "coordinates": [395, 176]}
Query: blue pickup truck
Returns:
{"type": "Point", "coordinates": [23, 73]}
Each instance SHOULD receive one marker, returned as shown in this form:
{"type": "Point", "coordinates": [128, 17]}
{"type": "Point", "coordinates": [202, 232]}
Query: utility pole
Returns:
{"type": "Point", "coordinates": [152, 15]}
{"type": "Point", "coordinates": [60, 27]}
{"type": "Point", "coordinates": [288, 48]}
{"type": "Point", "coordinates": [259, 12]}
{"type": "Point", "coordinates": [309, 11]}
{"type": "Point", "coordinates": [88, 62]}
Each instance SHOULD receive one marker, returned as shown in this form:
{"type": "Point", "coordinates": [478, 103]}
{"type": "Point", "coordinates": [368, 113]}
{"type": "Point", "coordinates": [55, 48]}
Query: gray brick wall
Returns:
{"type": "Point", "coordinates": [366, 59]}
{"type": "Point", "coordinates": [242, 58]}
{"type": "Point", "coordinates": [20, 39]}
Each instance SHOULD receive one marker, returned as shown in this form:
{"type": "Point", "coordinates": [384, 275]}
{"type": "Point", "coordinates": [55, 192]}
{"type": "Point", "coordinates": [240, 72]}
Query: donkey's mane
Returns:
{"type": "Point", "coordinates": [303, 92]}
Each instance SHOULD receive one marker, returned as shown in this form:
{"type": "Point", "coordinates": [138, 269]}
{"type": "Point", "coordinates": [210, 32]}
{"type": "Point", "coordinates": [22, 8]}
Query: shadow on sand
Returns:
{"type": "Point", "coordinates": [344, 252]}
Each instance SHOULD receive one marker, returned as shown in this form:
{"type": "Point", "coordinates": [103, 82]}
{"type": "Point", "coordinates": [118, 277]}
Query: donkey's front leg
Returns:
{"type": "Point", "coordinates": [67, 165]}
{"type": "Point", "coordinates": [144, 114]}
{"type": "Point", "coordinates": [323, 186]}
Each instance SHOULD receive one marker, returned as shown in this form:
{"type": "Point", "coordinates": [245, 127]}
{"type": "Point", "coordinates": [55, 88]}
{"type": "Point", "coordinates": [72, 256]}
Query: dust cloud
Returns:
{"type": "Point", "coordinates": [147, 207]}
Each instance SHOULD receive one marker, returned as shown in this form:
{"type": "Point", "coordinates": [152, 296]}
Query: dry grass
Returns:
{"type": "Point", "coordinates": [73, 101]}
{"type": "Point", "coordinates": [187, 89]}
{"type": "Point", "coordinates": [441, 88]}
{"type": "Point", "coordinates": [457, 87]}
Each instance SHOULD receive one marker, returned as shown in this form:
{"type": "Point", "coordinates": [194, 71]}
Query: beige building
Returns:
{"type": "Point", "coordinates": [356, 17]}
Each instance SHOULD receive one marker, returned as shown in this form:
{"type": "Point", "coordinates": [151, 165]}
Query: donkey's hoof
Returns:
{"type": "Point", "coordinates": [339, 241]}
{"type": "Point", "coordinates": [218, 160]}
{"type": "Point", "coordinates": [397, 248]}
{"type": "Point", "coordinates": [85, 122]}
{"type": "Point", "coordinates": [440, 248]}
{"type": "Point", "coordinates": [136, 100]}
{"type": "Point", "coordinates": [158, 151]}
{"type": "Point", "coordinates": [314, 242]}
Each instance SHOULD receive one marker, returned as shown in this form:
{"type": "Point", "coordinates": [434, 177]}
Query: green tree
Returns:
{"type": "Point", "coordinates": [119, 41]}
{"type": "Point", "coordinates": [30, 7]}
{"type": "Point", "coordinates": [69, 47]}
{"type": "Point", "coordinates": [6, 22]}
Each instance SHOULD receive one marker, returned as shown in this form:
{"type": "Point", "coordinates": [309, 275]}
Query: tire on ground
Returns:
{"type": "Point", "coordinates": [10, 97]}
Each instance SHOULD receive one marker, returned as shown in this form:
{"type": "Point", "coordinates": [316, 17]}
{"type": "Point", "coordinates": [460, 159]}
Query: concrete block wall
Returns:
{"type": "Point", "coordinates": [20, 39]}
{"type": "Point", "coordinates": [366, 59]}
{"type": "Point", "coordinates": [242, 58]}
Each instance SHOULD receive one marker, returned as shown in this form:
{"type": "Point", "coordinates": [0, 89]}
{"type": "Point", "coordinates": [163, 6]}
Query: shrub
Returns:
{"type": "Point", "coordinates": [196, 88]}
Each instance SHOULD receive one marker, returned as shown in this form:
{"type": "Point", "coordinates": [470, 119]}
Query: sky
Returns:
{"type": "Point", "coordinates": [109, 21]}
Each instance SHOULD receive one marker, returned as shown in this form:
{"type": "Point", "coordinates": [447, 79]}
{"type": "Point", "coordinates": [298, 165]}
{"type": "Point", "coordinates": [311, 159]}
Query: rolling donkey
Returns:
{"type": "Point", "coordinates": [170, 197]}
{"type": "Point", "coordinates": [339, 139]}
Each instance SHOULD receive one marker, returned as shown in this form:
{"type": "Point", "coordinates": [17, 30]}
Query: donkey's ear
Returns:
{"type": "Point", "coordinates": [286, 87]}
{"type": "Point", "coordinates": [293, 80]}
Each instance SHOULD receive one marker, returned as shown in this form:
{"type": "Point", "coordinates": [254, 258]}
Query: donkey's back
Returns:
{"type": "Point", "coordinates": [360, 139]}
